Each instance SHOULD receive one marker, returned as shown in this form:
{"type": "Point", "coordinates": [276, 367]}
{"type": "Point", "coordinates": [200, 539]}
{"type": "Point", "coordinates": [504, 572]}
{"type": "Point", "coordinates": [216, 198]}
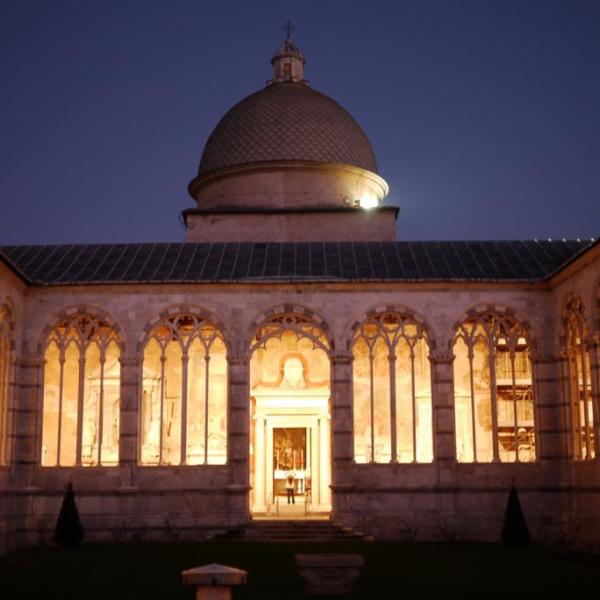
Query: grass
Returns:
{"type": "Point", "coordinates": [407, 571]}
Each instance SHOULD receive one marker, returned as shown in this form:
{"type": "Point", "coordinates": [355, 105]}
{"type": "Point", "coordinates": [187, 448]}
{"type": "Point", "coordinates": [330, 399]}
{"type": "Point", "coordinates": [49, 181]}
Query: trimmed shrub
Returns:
{"type": "Point", "coordinates": [69, 530]}
{"type": "Point", "coordinates": [514, 530]}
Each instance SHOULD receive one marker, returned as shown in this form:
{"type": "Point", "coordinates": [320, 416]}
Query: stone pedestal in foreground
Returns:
{"type": "Point", "coordinates": [329, 574]}
{"type": "Point", "coordinates": [214, 582]}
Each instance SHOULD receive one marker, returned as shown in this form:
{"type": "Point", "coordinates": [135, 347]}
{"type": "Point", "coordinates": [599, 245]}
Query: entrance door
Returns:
{"type": "Point", "coordinates": [283, 442]}
{"type": "Point", "coordinates": [292, 454]}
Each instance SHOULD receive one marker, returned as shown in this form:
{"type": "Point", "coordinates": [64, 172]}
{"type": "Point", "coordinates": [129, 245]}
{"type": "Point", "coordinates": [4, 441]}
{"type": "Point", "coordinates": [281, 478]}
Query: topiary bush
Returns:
{"type": "Point", "coordinates": [69, 530]}
{"type": "Point", "coordinates": [514, 530]}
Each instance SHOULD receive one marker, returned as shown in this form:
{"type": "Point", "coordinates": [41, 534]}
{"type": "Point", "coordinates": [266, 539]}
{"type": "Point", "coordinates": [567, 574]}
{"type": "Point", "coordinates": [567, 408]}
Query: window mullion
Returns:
{"type": "Point", "coordinates": [163, 360]}
{"type": "Point", "coordinates": [494, 398]}
{"type": "Point", "coordinates": [60, 403]}
{"type": "Point", "coordinates": [414, 403]}
{"type": "Point", "coordinates": [393, 417]}
{"type": "Point", "coordinates": [576, 404]}
{"type": "Point", "coordinates": [472, 385]}
{"type": "Point", "coordinates": [184, 390]}
{"type": "Point", "coordinates": [586, 416]}
{"type": "Point", "coordinates": [512, 354]}
{"type": "Point", "coordinates": [80, 390]}
{"type": "Point", "coordinates": [101, 406]}
{"type": "Point", "coordinates": [569, 394]}
{"type": "Point", "coordinates": [206, 392]}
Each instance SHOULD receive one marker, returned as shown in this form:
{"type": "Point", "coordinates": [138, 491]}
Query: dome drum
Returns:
{"type": "Point", "coordinates": [288, 185]}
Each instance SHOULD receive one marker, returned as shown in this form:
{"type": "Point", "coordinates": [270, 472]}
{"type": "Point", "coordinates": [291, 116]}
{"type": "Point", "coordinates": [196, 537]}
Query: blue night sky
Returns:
{"type": "Point", "coordinates": [484, 115]}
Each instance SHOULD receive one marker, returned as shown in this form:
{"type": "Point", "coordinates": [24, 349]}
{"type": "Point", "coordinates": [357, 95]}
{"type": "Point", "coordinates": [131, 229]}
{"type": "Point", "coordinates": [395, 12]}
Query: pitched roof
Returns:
{"type": "Point", "coordinates": [517, 261]}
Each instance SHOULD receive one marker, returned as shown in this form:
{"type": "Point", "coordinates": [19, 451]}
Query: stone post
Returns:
{"type": "Point", "coordinates": [131, 374]}
{"type": "Point", "coordinates": [342, 450]}
{"type": "Point", "coordinates": [237, 435]}
{"type": "Point", "coordinates": [214, 582]}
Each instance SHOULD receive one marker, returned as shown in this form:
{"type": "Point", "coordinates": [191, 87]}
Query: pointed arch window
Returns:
{"type": "Point", "coordinates": [5, 364]}
{"type": "Point", "coordinates": [493, 391]}
{"type": "Point", "coordinates": [392, 391]}
{"type": "Point", "coordinates": [82, 385]}
{"type": "Point", "coordinates": [579, 378]}
{"type": "Point", "coordinates": [184, 397]}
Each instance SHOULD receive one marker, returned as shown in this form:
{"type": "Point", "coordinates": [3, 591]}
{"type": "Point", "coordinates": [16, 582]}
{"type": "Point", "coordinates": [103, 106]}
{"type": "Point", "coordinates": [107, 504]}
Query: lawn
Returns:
{"type": "Point", "coordinates": [407, 571]}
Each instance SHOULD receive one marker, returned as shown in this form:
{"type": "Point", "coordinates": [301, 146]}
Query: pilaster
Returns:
{"type": "Point", "coordinates": [551, 401]}
{"type": "Point", "coordinates": [444, 447]}
{"type": "Point", "coordinates": [238, 417]}
{"type": "Point", "coordinates": [26, 419]}
{"type": "Point", "coordinates": [342, 450]}
{"type": "Point", "coordinates": [131, 377]}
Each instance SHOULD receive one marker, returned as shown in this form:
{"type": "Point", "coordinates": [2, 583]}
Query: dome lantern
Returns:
{"type": "Point", "coordinates": [288, 62]}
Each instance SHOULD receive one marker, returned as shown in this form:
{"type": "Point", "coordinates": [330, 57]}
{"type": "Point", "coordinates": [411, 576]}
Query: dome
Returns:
{"type": "Point", "coordinates": [287, 148]}
{"type": "Point", "coordinates": [287, 121]}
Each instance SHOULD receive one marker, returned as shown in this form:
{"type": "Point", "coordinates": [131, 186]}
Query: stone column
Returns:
{"type": "Point", "coordinates": [342, 450]}
{"type": "Point", "coordinates": [237, 434]}
{"type": "Point", "coordinates": [131, 374]}
{"type": "Point", "coordinates": [444, 444]}
{"type": "Point", "coordinates": [551, 401]}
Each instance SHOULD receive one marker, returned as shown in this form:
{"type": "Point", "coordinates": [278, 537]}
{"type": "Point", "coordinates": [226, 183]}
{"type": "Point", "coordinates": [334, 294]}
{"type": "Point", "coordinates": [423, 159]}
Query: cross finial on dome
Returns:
{"type": "Point", "coordinates": [288, 27]}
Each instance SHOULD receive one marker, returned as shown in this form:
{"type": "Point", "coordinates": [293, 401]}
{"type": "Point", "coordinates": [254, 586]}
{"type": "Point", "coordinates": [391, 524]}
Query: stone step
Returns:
{"type": "Point", "coordinates": [299, 531]}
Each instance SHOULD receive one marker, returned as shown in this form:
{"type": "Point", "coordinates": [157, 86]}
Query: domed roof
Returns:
{"type": "Point", "coordinates": [287, 121]}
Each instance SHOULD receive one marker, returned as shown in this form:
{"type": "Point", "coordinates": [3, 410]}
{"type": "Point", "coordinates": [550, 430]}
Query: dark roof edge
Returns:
{"type": "Point", "coordinates": [12, 267]}
{"type": "Point", "coordinates": [572, 259]}
{"type": "Point", "coordinates": [288, 281]}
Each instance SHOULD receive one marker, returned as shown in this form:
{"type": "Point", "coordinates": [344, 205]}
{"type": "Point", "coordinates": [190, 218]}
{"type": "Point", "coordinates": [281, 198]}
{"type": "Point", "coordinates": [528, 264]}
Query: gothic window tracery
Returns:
{"type": "Point", "coordinates": [392, 391]}
{"type": "Point", "coordinates": [286, 338]}
{"type": "Point", "coordinates": [579, 381]}
{"type": "Point", "coordinates": [184, 396]}
{"type": "Point", "coordinates": [5, 347]}
{"type": "Point", "coordinates": [493, 391]}
{"type": "Point", "coordinates": [81, 405]}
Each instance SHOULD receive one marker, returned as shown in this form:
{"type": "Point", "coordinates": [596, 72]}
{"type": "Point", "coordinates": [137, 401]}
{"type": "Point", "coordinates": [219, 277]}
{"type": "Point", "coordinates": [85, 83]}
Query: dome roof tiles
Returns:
{"type": "Point", "coordinates": [287, 121]}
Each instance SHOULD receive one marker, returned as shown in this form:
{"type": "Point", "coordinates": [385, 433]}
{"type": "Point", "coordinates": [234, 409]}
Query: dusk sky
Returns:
{"type": "Point", "coordinates": [484, 115]}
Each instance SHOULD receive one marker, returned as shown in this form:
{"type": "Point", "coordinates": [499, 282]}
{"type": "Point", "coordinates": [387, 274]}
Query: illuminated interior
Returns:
{"type": "Point", "coordinates": [493, 393]}
{"type": "Point", "coordinates": [4, 374]}
{"type": "Point", "coordinates": [392, 391]}
{"type": "Point", "coordinates": [290, 418]}
{"type": "Point", "coordinates": [580, 382]}
{"type": "Point", "coordinates": [82, 378]}
{"type": "Point", "coordinates": [184, 400]}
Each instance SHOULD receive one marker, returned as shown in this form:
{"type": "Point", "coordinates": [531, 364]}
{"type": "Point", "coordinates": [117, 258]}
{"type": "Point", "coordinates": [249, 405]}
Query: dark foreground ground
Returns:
{"type": "Point", "coordinates": [152, 571]}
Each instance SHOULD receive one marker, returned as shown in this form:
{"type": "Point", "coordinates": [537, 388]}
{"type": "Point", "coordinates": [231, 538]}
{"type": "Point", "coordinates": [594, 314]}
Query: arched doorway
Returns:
{"type": "Point", "coordinates": [290, 388]}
